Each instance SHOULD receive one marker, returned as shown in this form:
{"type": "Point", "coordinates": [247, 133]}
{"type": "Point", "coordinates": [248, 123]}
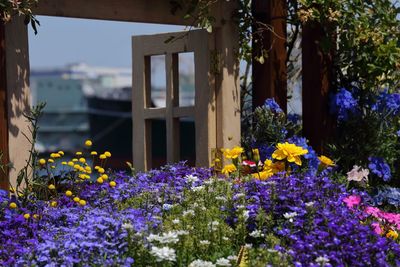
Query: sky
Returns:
{"type": "Point", "coordinates": [62, 41]}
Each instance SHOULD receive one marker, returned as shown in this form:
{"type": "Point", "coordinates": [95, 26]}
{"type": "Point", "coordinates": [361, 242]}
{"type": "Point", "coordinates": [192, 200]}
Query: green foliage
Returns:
{"type": "Point", "coordinates": [10, 8]}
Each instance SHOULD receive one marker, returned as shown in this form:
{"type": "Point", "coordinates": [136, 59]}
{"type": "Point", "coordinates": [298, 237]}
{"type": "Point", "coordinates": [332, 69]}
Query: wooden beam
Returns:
{"type": "Point", "coordinates": [318, 125]}
{"type": "Point", "coordinates": [270, 78]}
{"type": "Point", "coordinates": [147, 11]}
{"type": "Point", "coordinates": [4, 183]}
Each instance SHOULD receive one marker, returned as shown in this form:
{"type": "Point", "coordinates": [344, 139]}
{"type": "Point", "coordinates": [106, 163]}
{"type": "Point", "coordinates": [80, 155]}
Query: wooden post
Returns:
{"type": "Point", "coordinates": [318, 125]}
{"type": "Point", "coordinates": [270, 78]}
{"type": "Point", "coordinates": [3, 109]}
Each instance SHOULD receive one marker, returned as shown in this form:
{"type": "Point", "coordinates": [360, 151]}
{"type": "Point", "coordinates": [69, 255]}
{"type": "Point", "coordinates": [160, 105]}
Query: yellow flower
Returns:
{"type": "Point", "coordinates": [87, 168]}
{"type": "Point", "coordinates": [12, 189]}
{"type": "Point", "coordinates": [229, 169]}
{"type": "Point", "coordinates": [108, 154]}
{"type": "Point", "coordinates": [392, 234]}
{"type": "Point", "coordinates": [233, 153]}
{"type": "Point", "coordinates": [101, 170]}
{"type": "Point", "coordinates": [50, 160]}
{"type": "Point", "coordinates": [53, 204]}
{"type": "Point", "coordinates": [35, 216]}
{"type": "Point", "coordinates": [290, 152]}
{"type": "Point", "coordinates": [51, 187]}
{"type": "Point", "coordinates": [93, 153]}
{"type": "Point", "coordinates": [77, 166]}
{"type": "Point", "coordinates": [104, 176]}
{"type": "Point", "coordinates": [27, 216]}
{"type": "Point", "coordinates": [102, 156]}
{"type": "Point", "coordinates": [55, 155]}
{"type": "Point", "coordinates": [88, 143]}
{"type": "Point", "coordinates": [113, 184]}
{"type": "Point", "coordinates": [100, 180]}
{"type": "Point", "coordinates": [68, 193]}
{"type": "Point", "coordinates": [326, 161]}
{"type": "Point", "coordinates": [82, 160]}
{"type": "Point", "coordinates": [82, 176]}
{"type": "Point", "coordinates": [74, 160]}
{"type": "Point", "coordinates": [71, 163]}
{"type": "Point", "coordinates": [263, 175]}
{"type": "Point", "coordinates": [76, 199]}
{"type": "Point", "coordinates": [78, 153]}
{"type": "Point", "coordinates": [13, 205]}
{"type": "Point", "coordinates": [61, 153]}
{"type": "Point", "coordinates": [82, 202]}
{"type": "Point", "coordinates": [53, 167]}
{"type": "Point", "coordinates": [274, 167]}
{"type": "Point", "coordinates": [42, 161]}
{"type": "Point", "coordinates": [97, 167]}
{"type": "Point", "coordinates": [64, 163]}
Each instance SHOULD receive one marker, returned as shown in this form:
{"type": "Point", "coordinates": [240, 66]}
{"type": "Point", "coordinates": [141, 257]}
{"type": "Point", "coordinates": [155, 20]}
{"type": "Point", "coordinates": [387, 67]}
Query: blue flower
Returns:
{"type": "Point", "coordinates": [387, 102]}
{"type": "Point", "coordinates": [270, 104]}
{"type": "Point", "coordinates": [343, 104]}
{"type": "Point", "coordinates": [293, 118]}
{"type": "Point", "coordinates": [379, 167]}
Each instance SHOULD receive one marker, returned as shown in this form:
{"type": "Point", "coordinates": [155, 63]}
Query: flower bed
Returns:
{"type": "Point", "coordinates": [181, 216]}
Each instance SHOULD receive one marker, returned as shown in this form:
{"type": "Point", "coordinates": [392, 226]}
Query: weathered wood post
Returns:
{"type": "Point", "coordinates": [318, 125]}
{"type": "Point", "coordinates": [270, 78]}
{"type": "Point", "coordinates": [3, 109]}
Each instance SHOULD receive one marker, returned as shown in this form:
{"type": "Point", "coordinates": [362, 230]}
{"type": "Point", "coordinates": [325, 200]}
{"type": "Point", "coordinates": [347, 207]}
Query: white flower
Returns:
{"type": "Point", "coordinates": [208, 182]}
{"type": "Point", "coordinates": [163, 254]}
{"type": "Point", "coordinates": [310, 204]}
{"type": "Point", "coordinates": [165, 238]}
{"type": "Point", "coordinates": [213, 225]}
{"type": "Point", "coordinates": [197, 188]}
{"type": "Point", "coordinates": [176, 221]}
{"type": "Point", "coordinates": [127, 226]}
{"type": "Point", "coordinates": [256, 233]}
{"type": "Point", "coordinates": [191, 178]}
{"type": "Point", "coordinates": [182, 232]}
{"type": "Point", "coordinates": [358, 174]}
{"type": "Point", "coordinates": [240, 207]}
{"type": "Point", "coordinates": [188, 212]}
{"type": "Point", "coordinates": [246, 214]}
{"type": "Point", "coordinates": [322, 260]}
{"type": "Point", "coordinates": [239, 195]}
{"type": "Point", "coordinates": [290, 215]}
{"type": "Point", "coordinates": [201, 263]}
{"type": "Point", "coordinates": [221, 198]}
{"type": "Point", "coordinates": [223, 262]}
{"type": "Point", "coordinates": [248, 246]}
{"type": "Point", "coordinates": [205, 242]}
{"type": "Point", "coordinates": [167, 206]}
{"type": "Point", "coordinates": [225, 238]}
{"type": "Point", "coordinates": [232, 258]}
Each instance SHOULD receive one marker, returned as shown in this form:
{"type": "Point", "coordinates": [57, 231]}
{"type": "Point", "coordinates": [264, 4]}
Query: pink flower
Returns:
{"type": "Point", "coordinates": [372, 211]}
{"type": "Point", "coordinates": [249, 163]}
{"type": "Point", "coordinates": [377, 228]}
{"type": "Point", "coordinates": [351, 201]}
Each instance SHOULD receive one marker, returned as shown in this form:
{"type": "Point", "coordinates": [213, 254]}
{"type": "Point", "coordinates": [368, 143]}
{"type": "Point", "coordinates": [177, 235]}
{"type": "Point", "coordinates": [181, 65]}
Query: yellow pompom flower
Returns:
{"type": "Point", "coordinates": [102, 156]}
{"type": "Point", "coordinates": [392, 234]}
{"type": "Point", "coordinates": [51, 187]}
{"type": "Point", "coordinates": [53, 204]}
{"type": "Point", "coordinates": [104, 176]}
{"type": "Point", "coordinates": [71, 163]}
{"type": "Point", "coordinates": [82, 160]}
{"type": "Point", "coordinates": [326, 161]}
{"type": "Point", "coordinates": [113, 184]}
{"type": "Point", "coordinates": [35, 216]}
{"type": "Point", "coordinates": [100, 180]}
{"type": "Point", "coordinates": [101, 170]}
{"type": "Point", "coordinates": [93, 153]}
{"type": "Point", "coordinates": [55, 155]}
{"type": "Point", "coordinates": [27, 216]}
{"type": "Point", "coordinates": [108, 154]}
{"type": "Point", "coordinates": [82, 176]}
{"type": "Point", "coordinates": [74, 160]}
{"type": "Point", "coordinates": [87, 168]}
{"type": "Point", "coordinates": [78, 153]}
{"type": "Point", "coordinates": [97, 167]}
{"type": "Point", "coordinates": [64, 163]}
{"type": "Point", "coordinates": [42, 161]}
{"type": "Point", "coordinates": [77, 166]}
{"type": "Point", "coordinates": [13, 205]}
{"type": "Point", "coordinates": [229, 169]}
{"type": "Point", "coordinates": [76, 199]}
{"type": "Point", "coordinates": [68, 193]}
{"type": "Point", "coordinates": [233, 153]}
{"type": "Point", "coordinates": [61, 153]}
{"type": "Point", "coordinates": [82, 202]}
{"type": "Point", "coordinates": [53, 167]}
{"type": "Point", "coordinates": [50, 160]}
{"type": "Point", "coordinates": [88, 143]}
{"type": "Point", "coordinates": [290, 152]}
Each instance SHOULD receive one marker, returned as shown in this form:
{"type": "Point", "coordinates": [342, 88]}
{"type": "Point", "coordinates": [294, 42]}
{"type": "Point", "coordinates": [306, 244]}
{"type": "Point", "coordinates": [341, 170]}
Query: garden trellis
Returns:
{"type": "Point", "coordinates": [269, 79]}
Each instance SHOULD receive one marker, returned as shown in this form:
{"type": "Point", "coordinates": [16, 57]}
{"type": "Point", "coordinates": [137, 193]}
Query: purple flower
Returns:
{"type": "Point", "coordinates": [379, 167]}
{"type": "Point", "coordinates": [270, 104]}
{"type": "Point", "coordinates": [343, 104]}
